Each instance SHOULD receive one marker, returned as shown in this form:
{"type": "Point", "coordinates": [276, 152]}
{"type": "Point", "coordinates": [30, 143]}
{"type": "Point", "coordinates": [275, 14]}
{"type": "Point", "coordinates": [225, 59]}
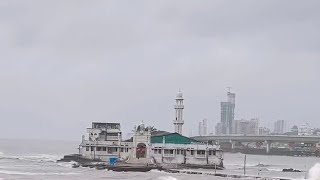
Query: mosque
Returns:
{"type": "Point", "coordinates": [149, 147]}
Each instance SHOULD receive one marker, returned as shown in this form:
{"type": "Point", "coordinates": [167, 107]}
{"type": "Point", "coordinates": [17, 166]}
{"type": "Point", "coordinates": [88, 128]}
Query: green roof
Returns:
{"type": "Point", "coordinates": [173, 138]}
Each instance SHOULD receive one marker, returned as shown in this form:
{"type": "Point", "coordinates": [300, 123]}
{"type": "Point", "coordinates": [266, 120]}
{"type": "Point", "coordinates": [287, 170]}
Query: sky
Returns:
{"type": "Point", "coordinates": [65, 64]}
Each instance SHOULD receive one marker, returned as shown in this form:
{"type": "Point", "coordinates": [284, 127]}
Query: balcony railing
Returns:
{"type": "Point", "coordinates": [168, 155]}
{"type": "Point", "coordinates": [200, 156]}
{"type": "Point", "coordinates": [112, 138]}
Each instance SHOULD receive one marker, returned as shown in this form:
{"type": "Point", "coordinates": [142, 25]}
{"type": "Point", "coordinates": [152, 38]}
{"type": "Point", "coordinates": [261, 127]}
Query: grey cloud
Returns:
{"type": "Point", "coordinates": [65, 64]}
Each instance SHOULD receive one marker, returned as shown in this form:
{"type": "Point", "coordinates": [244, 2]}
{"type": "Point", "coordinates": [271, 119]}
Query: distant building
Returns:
{"type": "Point", "coordinates": [279, 127]}
{"type": "Point", "coordinates": [203, 128]}
{"type": "Point", "coordinates": [218, 129]}
{"type": "Point", "coordinates": [305, 130]}
{"type": "Point", "coordinates": [264, 131]}
{"type": "Point", "coordinates": [227, 114]}
{"type": "Point", "coordinates": [294, 130]}
{"type": "Point", "coordinates": [246, 126]}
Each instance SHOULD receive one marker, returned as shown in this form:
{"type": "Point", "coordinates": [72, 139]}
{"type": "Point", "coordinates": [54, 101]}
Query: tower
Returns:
{"type": "Point", "coordinates": [227, 114]}
{"type": "Point", "coordinates": [178, 122]}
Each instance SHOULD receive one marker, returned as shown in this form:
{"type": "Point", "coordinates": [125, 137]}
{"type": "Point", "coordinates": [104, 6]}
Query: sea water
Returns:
{"type": "Point", "coordinates": [36, 159]}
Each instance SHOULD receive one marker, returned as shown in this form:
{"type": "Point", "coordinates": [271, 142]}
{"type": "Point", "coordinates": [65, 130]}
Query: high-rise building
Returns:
{"type": "Point", "coordinates": [264, 131]}
{"type": "Point", "coordinates": [294, 130]}
{"type": "Point", "coordinates": [279, 127]}
{"type": "Point", "coordinates": [250, 127]}
{"type": "Point", "coordinates": [227, 114]}
{"type": "Point", "coordinates": [203, 128]}
{"type": "Point", "coordinates": [218, 129]}
{"type": "Point", "coordinates": [178, 122]}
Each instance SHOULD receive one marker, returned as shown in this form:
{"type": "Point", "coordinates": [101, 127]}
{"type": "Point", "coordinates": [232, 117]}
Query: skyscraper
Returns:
{"type": "Point", "coordinates": [178, 122]}
{"type": "Point", "coordinates": [203, 128]}
{"type": "Point", "coordinates": [227, 114]}
{"type": "Point", "coordinates": [279, 127]}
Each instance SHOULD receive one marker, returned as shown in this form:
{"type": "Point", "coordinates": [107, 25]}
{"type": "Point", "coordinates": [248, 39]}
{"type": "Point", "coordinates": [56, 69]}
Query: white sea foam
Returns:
{"type": "Point", "coordinates": [39, 158]}
{"type": "Point", "coordinates": [1, 153]}
{"type": "Point", "coordinates": [67, 164]}
{"type": "Point", "coordinates": [167, 178]}
{"type": "Point", "coordinates": [31, 173]}
{"type": "Point", "coordinates": [274, 169]}
{"type": "Point", "coordinates": [314, 172]}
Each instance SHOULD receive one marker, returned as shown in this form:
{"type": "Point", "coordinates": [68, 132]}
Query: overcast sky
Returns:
{"type": "Point", "coordinates": [65, 64]}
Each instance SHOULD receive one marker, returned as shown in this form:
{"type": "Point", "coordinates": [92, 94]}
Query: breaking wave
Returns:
{"type": "Point", "coordinates": [33, 158]}
{"type": "Point", "coordinates": [40, 158]}
{"type": "Point", "coordinates": [314, 172]}
{"type": "Point", "coordinates": [274, 169]}
{"type": "Point", "coordinates": [31, 174]}
{"type": "Point", "coordinates": [167, 178]}
{"type": "Point", "coordinates": [67, 164]}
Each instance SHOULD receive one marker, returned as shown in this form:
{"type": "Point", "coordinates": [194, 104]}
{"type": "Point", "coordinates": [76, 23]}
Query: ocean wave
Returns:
{"type": "Point", "coordinates": [31, 173]}
{"type": "Point", "coordinates": [274, 169]}
{"type": "Point", "coordinates": [67, 164]}
{"type": "Point", "coordinates": [167, 178]}
{"type": "Point", "coordinates": [314, 172]}
{"type": "Point", "coordinates": [33, 157]}
{"type": "Point", "coordinates": [40, 158]}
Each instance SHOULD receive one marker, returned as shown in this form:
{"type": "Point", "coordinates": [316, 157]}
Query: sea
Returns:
{"type": "Point", "coordinates": [37, 160]}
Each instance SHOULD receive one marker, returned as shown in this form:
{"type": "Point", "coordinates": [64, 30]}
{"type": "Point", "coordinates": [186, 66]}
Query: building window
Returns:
{"type": "Point", "coordinates": [87, 148]}
{"type": "Point", "coordinates": [168, 151]}
{"type": "Point", "coordinates": [92, 148]}
{"type": "Point", "coordinates": [98, 148]}
{"type": "Point", "coordinates": [155, 151]}
{"type": "Point", "coordinates": [191, 152]}
{"type": "Point", "coordinates": [178, 151]}
{"type": "Point", "coordinates": [159, 151]}
{"type": "Point", "coordinates": [122, 149]}
{"type": "Point", "coordinates": [104, 148]}
{"type": "Point", "coordinates": [213, 153]}
{"type": "Point", "coordinates": [201, 152]}
{"type": "Point", "coordinates": [112, 150]}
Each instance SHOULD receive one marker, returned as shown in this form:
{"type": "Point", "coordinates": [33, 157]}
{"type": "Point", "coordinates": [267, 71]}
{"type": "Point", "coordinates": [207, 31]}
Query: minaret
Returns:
{"type": "Point", "coordinates": [178, 122]}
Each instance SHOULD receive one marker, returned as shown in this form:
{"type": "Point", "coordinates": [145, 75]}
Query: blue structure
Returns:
{"type": "Point", "coordinates": [113, 161]}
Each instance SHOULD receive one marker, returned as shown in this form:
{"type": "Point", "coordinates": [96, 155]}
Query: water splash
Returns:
{"type": "Point", "coordinates": [167, 178]}
{"type": "Point", "coordinates": [314, 172]}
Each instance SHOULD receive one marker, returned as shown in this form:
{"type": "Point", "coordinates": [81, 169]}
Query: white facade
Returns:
{"type": "Point", "coordinates": [279, 127]}
{"type": "Point", "coordinates": [305, 130]}
{"type": "Point", "coordinates": [203, 128]}
{"type": "Point", "coordinates": [196, 154]}
{"type": "Point", "coordinates": [178, 122]}
{"type": "Point", "coordinates": [246, 126]}
{"type": "Point", "coordinates": [140, 149]}
{"type": "Point", "coordinates": [264, 131]}
{"type": "Point", "coordinates": [104, 141]}
{"type": "Point", "coordinates": [141, 138]}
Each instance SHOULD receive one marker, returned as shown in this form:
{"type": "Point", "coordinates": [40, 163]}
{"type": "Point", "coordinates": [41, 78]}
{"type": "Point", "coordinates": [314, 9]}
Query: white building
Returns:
{"type": "Point", "coordinates": [250, 127]}
{"type": "Point", "coordinates": [264, 131]}
{"type": "Point", "coordinates": [203, 128]}
{"type": "Point", "coordinates": [279, 127]}
{"type": "Point", "coordinates": [305, 130]}
{"type": "Point", "coordinates": [162, 147]}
